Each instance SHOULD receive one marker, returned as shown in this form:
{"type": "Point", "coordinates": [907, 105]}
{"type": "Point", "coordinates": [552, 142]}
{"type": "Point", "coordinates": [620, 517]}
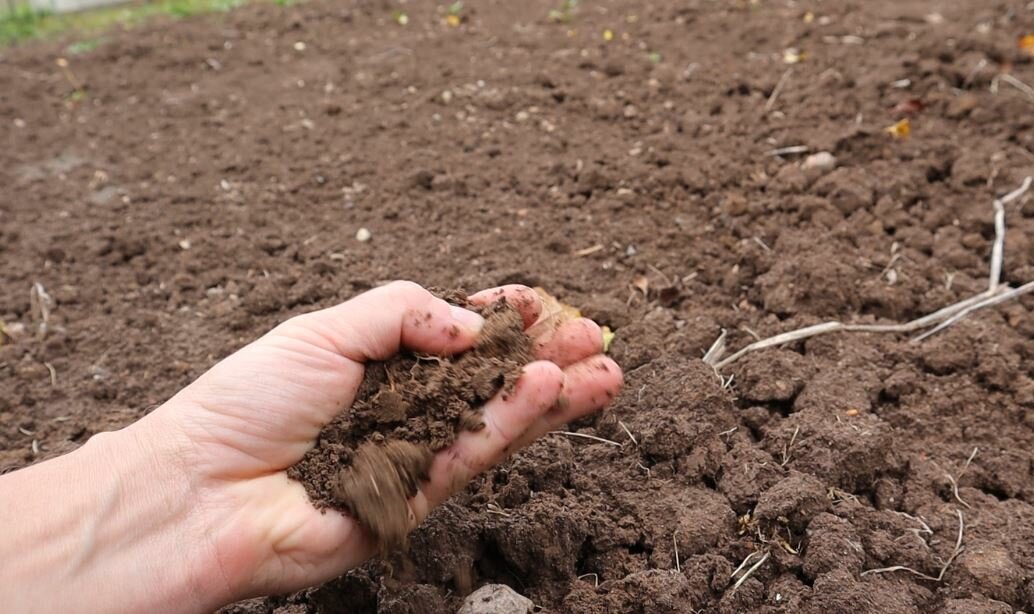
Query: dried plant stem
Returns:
{"type": "Point", "coordinates": [750, 571]}
{"type": "Point", "coordinates": [996, 293]}
{"type": "Point", "coordinates": [1013, 81]}
{"type": "Point", "coordinates": [778, 89]}
{"type": "Point", "coordinates": [944, 569]}
{"type": "Point", "coordinates": [592, 437]}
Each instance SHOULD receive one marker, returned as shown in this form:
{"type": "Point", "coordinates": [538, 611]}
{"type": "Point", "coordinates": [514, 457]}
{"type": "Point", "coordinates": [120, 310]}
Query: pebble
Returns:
{"type": "Point", "coordinates": [13, 331]}
{"type": "Point", "coordinates": [823, 161]}
{"type": "Point", "coordinates": [363, 235]}
{"type": "Point", "coordinates": [962, 105]}
{"type": "Point", "coordinates": [496, 599]}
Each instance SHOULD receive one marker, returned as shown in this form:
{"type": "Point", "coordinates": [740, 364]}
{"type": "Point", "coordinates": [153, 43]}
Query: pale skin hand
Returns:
{"type": "Point", "coordinates": [190, 508]}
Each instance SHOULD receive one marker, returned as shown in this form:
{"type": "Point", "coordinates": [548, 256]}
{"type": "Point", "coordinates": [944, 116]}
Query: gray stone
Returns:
{"type": "Point", "coordinates": [496, 599]}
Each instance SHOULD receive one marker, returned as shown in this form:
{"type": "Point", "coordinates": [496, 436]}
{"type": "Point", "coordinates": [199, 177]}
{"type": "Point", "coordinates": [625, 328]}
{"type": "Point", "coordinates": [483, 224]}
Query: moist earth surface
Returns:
{"type": "Point", "coordinates": [195, 182]}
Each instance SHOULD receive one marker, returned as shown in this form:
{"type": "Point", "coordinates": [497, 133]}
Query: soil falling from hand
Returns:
{"type": "Point", "coordinates": [371, 459]}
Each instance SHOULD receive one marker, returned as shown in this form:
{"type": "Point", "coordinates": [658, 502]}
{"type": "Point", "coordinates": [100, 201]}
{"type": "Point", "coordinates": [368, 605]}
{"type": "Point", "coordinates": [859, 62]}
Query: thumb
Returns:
{"type": "Point", "coordinates": [375, 325]}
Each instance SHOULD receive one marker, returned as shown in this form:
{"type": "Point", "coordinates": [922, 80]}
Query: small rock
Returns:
{"type": "Point", "coordinates": [822, 161]}
{"type": "Point", "coordinates": [630, 111]}
{"type": "Point", "coordinates": [13, 331]}
{"type": "Point", "coordinates": [734, 204]}
{"type": "Point", "coordinates": [299, 46]}
{"type": "Point", "coordinates": [363, 235]}
{"type": "Point", "coordinates": [962, 106]}
{"type": "Point", "coordinates": [496, 599]}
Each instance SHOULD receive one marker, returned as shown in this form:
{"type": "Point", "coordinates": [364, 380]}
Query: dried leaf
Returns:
{"type": "Point", "coordinates": [608, 338]}
{"type": "Point", "coordinates": [900, 130]}
{"type": "Point", "coordinates": [1026, 43]}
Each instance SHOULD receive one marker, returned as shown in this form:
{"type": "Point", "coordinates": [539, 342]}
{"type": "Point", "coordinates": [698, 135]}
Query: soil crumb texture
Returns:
{"type": "Point", "coordinates": [673, 168]}
{"type": "Point", "coordinates": [371, 459]}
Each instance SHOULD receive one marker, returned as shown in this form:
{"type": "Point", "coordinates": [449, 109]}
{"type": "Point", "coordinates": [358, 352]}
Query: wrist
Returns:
{"type": "Point", "coordinates": [156, 533]}
{"type": "Point", "coordinates": [121, 530]}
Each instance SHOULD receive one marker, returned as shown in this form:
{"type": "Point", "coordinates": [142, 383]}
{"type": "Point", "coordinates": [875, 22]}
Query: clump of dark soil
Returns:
{"type": "Point", "coordinates": [370, 460]}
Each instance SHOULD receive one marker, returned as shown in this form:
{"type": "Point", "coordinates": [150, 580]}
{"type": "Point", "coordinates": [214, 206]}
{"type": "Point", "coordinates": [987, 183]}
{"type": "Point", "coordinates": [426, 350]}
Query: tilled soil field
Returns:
{"type": "Point", "coordinates": [183, 187]}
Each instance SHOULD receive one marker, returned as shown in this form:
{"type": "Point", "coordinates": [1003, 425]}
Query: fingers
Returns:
{"type": "Point", "coordinates": [589, 386]}
{"type": "Point", "coordinates": [564, 344]}
{"type": "Point", "coordinates": [523, 298]}
{"type": "Point", "coordinates": [506, 417]}
{"type": "Point", "coordinates": [377, 324]}
{"type": "Point", "coordinates": [572, 341]}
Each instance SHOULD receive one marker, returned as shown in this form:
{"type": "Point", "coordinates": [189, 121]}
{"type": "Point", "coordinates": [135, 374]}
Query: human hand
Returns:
{"type": "Point", "coordinates": [217, 451]}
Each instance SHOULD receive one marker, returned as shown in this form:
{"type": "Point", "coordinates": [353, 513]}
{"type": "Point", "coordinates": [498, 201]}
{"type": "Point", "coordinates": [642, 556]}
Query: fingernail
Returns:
{"type": "Point", "coordinates": [467, 318]}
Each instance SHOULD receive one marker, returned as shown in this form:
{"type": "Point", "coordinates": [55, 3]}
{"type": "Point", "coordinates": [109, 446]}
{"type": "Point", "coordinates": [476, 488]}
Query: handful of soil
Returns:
{"type": "Point", "coordinates": [371, 459]}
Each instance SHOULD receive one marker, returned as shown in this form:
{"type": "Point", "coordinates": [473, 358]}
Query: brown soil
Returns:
{"type": "Point", "coordinates": [212, 182]}
{"type": "Point", "coordinates": [370, 461]}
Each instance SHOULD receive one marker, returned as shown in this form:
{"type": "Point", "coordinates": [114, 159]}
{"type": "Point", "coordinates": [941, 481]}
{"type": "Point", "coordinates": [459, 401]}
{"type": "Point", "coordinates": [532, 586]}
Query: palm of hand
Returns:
{"type": "Point", "coordinates": [242, 424]}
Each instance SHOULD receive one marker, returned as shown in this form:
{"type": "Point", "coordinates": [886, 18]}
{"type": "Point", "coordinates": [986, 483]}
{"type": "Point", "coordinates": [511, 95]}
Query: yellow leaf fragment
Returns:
{"type": "Point", "coordinates": [900, 130]}
{"type": "Point", "coordinates": [1026, 43]}
{"type": "Point", "coordinates": [453, 20]}
{"type": "Point", "coordinates": [608, 35]}
{"type": "Point", "coordinates": [553, 308]}
{"type": "Point", "coordinates": [793, 56]}
{"type": "Point", "coordinates": [608, 338]}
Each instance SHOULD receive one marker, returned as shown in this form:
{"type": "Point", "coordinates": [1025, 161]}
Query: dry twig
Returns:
{"type": "Point", "coordinates": [1013, 81]}
{"type": "Point", "coordinates": [940, 319]}
{"type": "Point", "coordinates": [778, 89]}
{"type": "Point", "coordinates": [629, 433]}
{"type": "Point", "coordinates": [750, 571]}
{"type": "Point", "coordinates": [588, 251]}
{"type": "Point", "coordinates": [793, 149]}
{"type": "Point", "coordinates": [592, 437]}
{"type": "Point", "coordinates": [944, 569]}
{"type": "Point", "coordinates": [788, 448]}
